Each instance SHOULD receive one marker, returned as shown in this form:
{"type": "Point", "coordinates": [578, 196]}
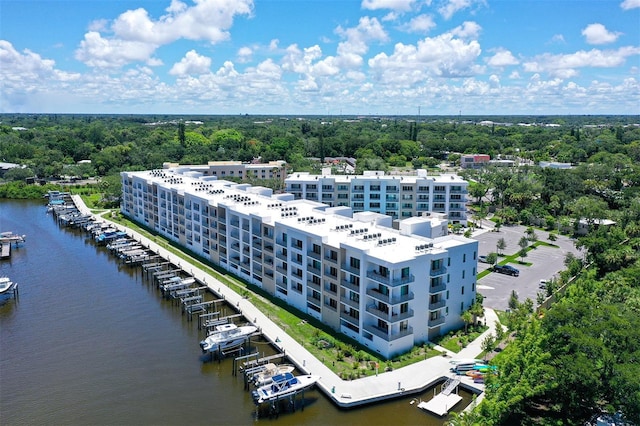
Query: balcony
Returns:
{"type": "Point", "coordinates": [376, 294]}
{"type": "Point", "coordinates": [282, 270]}
{"type": "Point", "coordinates": [282, 256]}
{"type": "Point", "coordinates": [350, 286]}
{"type": "Point", "coordinates": [345, 316]}
{"type": "Point", "coordinates": [384, 334]}
{"type": "Point", "coordinates": [376, 276]}
{"type": "Point", "coordinates": [437, 288]}
{"type": "Point", "coordinates": [314, 286]}
{"type": "Point", "coordinates": [349, 302]}
{"type": "Point", "coordinates": [436, 322]}
{"type": "Point", "coordinates": [327, 289]}
{"type": "Point", "coordinates": [439, 271]}
{"type": "Point", "coordinates": [389, 316]}
{"type": "Point", "coordinates": [314, 255]}
{"type": "Point", "coordinates": [328, 259]}
{"type": "Point", "coordinates": [313, 270]}
{"type": "Point", "coordinates": [350, 269]}
{"type": "Point", "coordinates": [434, 306]}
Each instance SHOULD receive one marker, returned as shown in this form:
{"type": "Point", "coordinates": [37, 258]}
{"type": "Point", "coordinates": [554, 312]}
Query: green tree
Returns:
{"type": "Point", "coordinates": [501, 245]}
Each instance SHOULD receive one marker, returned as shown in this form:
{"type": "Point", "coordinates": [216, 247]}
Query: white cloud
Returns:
{"type": "Point", "coordinates": [192, 63]}
{"type": "Point", "coordinates": [206, 20]}
{"type": "Point", "coordinates": [420, 24]}
{"type": "Point", "coordinates": [441, 56]}
{"type": "Point", "coordinates": [630, 4]}
{"type": "Point", "coordinates": [502, 58]}
{"type": "Point", "coordinates": [557, 39]}
{"type": "Point", "coordinates": [397, 5]}
{"type": "Point", "coordinates": [598, 34]}
{"type": "Point", "coordinates": [273, 44]}
{"type": "Point", "coordinates": [564, 65]}
{"type": "Point", "coordinates": [244, 54]}
{"type": "Point", "coordinates": [357, 41]}
{"type": "Point", "coordinates": [451, 7]}
{"type": "Point", "coordinates": [468, 29]}
{"type": "Point", "coordinates": [96, 51]}
{"type": "Point", "coordinates": [515, 75]}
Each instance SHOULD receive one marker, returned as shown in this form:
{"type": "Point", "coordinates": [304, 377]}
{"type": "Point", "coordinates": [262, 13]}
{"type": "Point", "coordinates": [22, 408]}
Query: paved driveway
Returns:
{"type": "Point", "coordinates": [546, 262]}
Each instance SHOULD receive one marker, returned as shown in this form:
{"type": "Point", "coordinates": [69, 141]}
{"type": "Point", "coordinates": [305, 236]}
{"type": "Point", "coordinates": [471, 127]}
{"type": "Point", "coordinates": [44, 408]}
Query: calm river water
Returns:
{"type": "Point", "coordinates": [90, 342]}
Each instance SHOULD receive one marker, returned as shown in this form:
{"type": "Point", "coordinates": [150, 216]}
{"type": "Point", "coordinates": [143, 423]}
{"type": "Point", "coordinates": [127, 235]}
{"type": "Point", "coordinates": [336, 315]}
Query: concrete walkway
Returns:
{"type": "Point", "coordinates": [345, 393]}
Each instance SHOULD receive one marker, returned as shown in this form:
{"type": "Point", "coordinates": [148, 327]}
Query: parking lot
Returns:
{"type": "Point", "coordinates": [546, 263]}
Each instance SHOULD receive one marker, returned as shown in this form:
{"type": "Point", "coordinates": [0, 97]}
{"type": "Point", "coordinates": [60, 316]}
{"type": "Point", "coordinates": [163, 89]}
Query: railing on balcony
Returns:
{"type": "Point", "coordinates": [436, 322]}
{"type": "Point", "coordinates": [313, 270]}
{"type": "Point", "coordinates": [313, 254]}
{"type": "Point", "coordinates": [433, 306]}
{"type": "Point", "coordinates": [389, 316]}
{"type": "Point", "coordinates": [345, 316]}
{"type": "Point", "coordinates": [349, 285]}
{"type": "Point", "coordinates": [312, 285]}
{"type": "Point", "coordinates": [375, 275]}
{"type": "Point", "coordinates": [350, 302]}
{"type": "Point", "coordinates": [280, 255]}
{"type": "Point", "coordinates": [438, 288]}
{"type": "Point", "coordinates": [315, 300]}
{"type": "Point", "coordinates": [439, 271]}
{"type": "Point", "coordinates": [384, 334]}
{"type": "Point", "coordinates": [328, 259]}
{"type": "Point", "coordinates": [327, 289]}
{"type": "Point", "coordinates": [349, 268]}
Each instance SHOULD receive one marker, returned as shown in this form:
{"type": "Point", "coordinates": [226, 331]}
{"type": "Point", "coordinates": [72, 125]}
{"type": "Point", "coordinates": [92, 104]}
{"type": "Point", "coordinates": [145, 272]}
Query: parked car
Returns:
{"type": "Point", "coordinates": [507, 270]}
{"type": "Point", "coordinates": [482, 259]}
{"type": "Point", "coordinates": [543, 283]}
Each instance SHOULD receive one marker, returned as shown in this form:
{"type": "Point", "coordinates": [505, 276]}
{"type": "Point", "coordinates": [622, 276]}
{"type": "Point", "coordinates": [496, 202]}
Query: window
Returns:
{"type": "Point", "coordinates": [473, 286]}
{"type": "Point", "coordinates": [463, 271]}
{"type": "Point", "coordinates": [474, 255]}
{"type": "Point", "coordinates": [461, 306]}
{"type": "Point", "coordinates": [447, 294]}
{"type": "Point", "coordinates": [462, 289]}
{"type": "Point", "coordinates": [404, 290]}
{"type": "Point", "coordinates": [464, 257]}
{"type": "Point", "coordinates": [354, 297]}
{"type": "Point", "coordinates": [333, 303]}
{"type": "Point", "coordinates": [405, 272]}
{"type": "Point", "coordinates": [354, 263]}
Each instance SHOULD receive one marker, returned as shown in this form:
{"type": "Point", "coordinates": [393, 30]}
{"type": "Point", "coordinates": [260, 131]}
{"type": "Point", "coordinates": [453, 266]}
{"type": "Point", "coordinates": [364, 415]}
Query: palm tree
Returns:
{"type": "Point", "coordinates": [467, 317]}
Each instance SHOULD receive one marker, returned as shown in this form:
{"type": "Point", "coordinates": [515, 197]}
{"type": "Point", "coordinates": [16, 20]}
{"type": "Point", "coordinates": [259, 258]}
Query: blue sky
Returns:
{"type": "Point", "coordinates": [436, 57]}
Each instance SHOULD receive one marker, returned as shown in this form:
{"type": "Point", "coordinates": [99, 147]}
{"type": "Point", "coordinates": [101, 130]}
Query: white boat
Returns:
{"type": "Point", "coordinates": [265, 377]}
{"type": "Point", "coordinates": [6, 285]}
{"type": "Point", "coordinates": [227, 336]}
{"type": "Point", "coordinates": [282, 385]}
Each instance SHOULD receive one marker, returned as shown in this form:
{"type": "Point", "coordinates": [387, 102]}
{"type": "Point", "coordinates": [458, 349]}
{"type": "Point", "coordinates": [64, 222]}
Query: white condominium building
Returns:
{"type": "Point", "coordinates": [237, 169]}
{"type": "Point", "coordinates": [396, 196]}
{"type": "Point", "coordinates": [389, 289]}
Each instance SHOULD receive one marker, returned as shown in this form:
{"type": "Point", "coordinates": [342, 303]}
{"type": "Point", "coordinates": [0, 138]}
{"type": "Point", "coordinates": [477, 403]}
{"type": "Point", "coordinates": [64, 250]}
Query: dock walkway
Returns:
{"type": "Point", "coordinates": [344, 393]}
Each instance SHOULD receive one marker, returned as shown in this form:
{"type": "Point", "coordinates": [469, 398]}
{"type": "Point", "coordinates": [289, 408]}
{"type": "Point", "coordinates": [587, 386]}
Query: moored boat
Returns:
{"type": "Point", "coordinates": [265, 377]}
{"type": "Point", "coordinates": [282, 385]}
{"type": "Point", "coordinates": [6, 285]}
{"type": "Point", "coordinates": [227, 336]}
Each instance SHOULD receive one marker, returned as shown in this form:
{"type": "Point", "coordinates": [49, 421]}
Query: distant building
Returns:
{"type": "Point", "coordinates": [474, 161]}
{"type": "Point", "coordinates": [4, 167]}
{"type": "Point", "coordinates": [397, 196]}
{"type": "Point", "coordinates": [236, 169]}
{"type": "Point", "coordinates": [554, 165]}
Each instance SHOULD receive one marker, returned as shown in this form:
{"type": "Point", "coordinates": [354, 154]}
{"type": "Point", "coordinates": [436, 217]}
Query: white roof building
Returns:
{"type": "Point", "coordinates": [397, 196]}
{"type": "Point", "coordinates": [389, 289]}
